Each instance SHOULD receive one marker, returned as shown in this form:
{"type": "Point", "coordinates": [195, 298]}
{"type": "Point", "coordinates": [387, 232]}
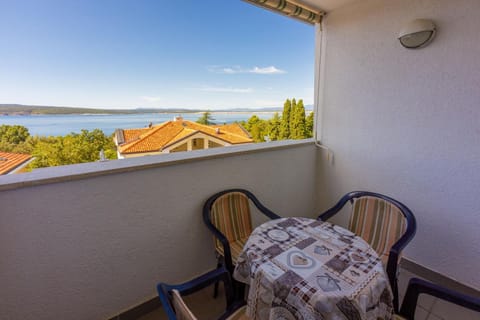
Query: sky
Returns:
{"type": "Point", "coordinates": [209, 54]}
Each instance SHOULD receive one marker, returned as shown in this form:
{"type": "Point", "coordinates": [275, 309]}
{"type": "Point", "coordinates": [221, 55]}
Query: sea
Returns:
{"type": "Point", "coordinates": [60, 125]}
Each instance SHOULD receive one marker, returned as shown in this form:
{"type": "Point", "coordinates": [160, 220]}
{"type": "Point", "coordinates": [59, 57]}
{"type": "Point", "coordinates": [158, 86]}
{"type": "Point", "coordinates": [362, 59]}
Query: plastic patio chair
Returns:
{"type": "Point", "coordinates": [227, 215]}
{"type": "Point", "coordinates": [418, 286]}
{"type": "Point", "coordinates": [176, 308]}
{"type": "Point", "coordinates": [385, 223]}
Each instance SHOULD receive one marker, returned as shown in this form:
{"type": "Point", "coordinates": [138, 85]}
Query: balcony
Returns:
{"type": "Point", "coordinates": [90, 241]}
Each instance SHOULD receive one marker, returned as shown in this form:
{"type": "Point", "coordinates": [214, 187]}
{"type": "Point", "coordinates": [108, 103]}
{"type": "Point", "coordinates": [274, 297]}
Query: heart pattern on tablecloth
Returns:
{"type": "Point", "coordinates": [298, 259]}
{"type": "Point", "coordinates": [357, 257]}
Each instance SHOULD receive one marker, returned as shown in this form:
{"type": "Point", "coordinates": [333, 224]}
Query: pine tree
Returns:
{"type": "Point", "coordinates": [285, 122]}
{"type": "Point", "coordinates": [206, 118]}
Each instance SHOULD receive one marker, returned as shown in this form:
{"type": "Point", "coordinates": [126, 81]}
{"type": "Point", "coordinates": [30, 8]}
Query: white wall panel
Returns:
{"type": "Point", "coordinates": [407, 122]}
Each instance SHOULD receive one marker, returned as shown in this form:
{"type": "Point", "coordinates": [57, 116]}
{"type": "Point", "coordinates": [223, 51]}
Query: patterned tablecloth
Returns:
{"type": "Point", "coordinates": [300, 268]}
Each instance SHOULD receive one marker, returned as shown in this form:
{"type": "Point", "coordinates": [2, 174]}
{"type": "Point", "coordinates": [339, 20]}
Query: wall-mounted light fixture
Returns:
{"type": "Point", "coordinates": [417, 33]}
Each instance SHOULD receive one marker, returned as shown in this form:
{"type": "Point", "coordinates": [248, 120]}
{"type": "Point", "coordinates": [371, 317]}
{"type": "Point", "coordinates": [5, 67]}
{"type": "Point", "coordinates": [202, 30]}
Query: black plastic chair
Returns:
{"type": "Point", "coordinates": [175, 307]}
{"type": "Point", "coordinates": [227, 215]}
{"type": "Point", "coordinates": [391, 210]}
{"type": "Point", "coordinates": [418, 286]}
{"type": "Point", "coordinates": [235, 201]}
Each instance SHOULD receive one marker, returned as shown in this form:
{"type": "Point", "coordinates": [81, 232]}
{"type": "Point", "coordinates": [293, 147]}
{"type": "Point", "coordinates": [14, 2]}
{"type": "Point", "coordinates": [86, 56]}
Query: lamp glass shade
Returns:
{"type": "Point", "coordinates": [417, 33]}
{"type": "Point", "coordinates": [416, 40]}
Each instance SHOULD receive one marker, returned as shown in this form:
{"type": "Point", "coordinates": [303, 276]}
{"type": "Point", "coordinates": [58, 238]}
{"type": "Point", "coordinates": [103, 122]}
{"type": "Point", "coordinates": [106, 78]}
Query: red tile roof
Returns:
{"type": "Point", "coordinates": [10, 161]}
{"type": "Point", "coordinates": [157, 137]}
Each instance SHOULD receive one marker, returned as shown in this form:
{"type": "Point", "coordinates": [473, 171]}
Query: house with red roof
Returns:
{"type": "Point", "coordinates": [177, 135]}
{"type": "Point", "coordinates": [13, 162]}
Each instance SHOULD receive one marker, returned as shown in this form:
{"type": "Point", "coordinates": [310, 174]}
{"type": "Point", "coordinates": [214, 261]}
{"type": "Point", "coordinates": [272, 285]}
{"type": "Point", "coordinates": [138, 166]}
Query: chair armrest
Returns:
{"type": "Point", "coordinates": [189, 287]}
{"type": "Point", "coordinates": [269, 213]}
{"type": "Point", "coordinates": [328, 214]}
{"type": "Point", "coordinates": [418, 286]}
{"type": "Point", "coordinates": [336, 208]}
{"type": "Point", "coordinates": [396, 249]}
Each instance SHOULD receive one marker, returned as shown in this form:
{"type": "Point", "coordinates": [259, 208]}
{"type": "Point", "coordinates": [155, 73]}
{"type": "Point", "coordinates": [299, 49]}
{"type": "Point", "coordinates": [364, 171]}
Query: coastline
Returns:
{"type": "Point", "coordinates": [23, 114]}
{"type": "Point", "coordinates": [62, 124]}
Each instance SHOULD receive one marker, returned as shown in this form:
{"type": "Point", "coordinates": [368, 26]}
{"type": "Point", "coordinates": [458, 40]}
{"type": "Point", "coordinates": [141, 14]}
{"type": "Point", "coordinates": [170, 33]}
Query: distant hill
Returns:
{"type": "Point", "coordinates": [20, 109]}
{"type": "Point", "coordinates": [265, 109]}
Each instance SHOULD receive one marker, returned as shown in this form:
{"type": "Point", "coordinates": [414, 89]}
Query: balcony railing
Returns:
{"type": "Point", "coordinates": [90, 241]}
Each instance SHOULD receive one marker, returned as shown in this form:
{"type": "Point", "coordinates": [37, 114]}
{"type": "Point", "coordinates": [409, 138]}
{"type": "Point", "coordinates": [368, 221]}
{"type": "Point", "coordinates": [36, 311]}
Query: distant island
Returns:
{"type": "Point", "coordinates": [20, 109]}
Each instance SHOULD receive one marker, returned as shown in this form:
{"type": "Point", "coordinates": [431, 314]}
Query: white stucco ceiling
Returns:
{"type": "Point", "coordinates": [325, 5]}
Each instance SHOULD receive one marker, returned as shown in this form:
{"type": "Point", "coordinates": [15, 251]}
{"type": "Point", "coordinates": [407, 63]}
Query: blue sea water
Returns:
{"type": "Point", "coordinates": [59, 125]}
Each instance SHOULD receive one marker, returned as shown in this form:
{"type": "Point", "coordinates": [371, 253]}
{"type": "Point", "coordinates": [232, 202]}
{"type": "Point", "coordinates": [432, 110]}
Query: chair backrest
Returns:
{"type": "Point", "coordinates": [379, 222]}
{"type": "Point", "coordinates": [170, 295]}
{"type": "Point", "coordinates": [182, 311]}
{"type": "Point", "coordinates": [385, 223]}
{"type": "Point", "coordinates": [230, 214]}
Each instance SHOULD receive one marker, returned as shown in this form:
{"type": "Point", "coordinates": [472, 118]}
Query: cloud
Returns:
{"type": "Point", "coordinates": [267, 70]}
{"type": "Point", "coordinates": [237, 70]}
{"type": "Point", "coordinates": [151, 99]}
{"type": "Point", "coordinates": [226, 89]}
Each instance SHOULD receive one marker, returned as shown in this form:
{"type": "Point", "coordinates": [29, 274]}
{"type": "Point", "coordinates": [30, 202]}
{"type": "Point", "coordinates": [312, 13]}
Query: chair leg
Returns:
{"type": "Point", "coordinates": [396, 303]}
{"type": "Point", "coordinates": [239, 290]}
{"type": "Point", "coordinates": [215, 290]}
{"type": "Point", "coordinates": [215, 287]}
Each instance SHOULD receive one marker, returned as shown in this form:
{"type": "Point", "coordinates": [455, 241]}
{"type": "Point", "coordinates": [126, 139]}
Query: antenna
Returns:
{"type": "Point", "coordinates": [102, 156]}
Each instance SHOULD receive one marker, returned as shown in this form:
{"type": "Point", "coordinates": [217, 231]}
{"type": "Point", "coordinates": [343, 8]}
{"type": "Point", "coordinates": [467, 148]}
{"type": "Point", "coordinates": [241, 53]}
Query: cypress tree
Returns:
{"type": "Point", "coordinates": [309, 125]}
{"type": "Point", "coordinates": [285, 123]}
{"type": "Point", "coordinates": [298, 131]}
{"type": "Point", "coordinates": [293, 120]}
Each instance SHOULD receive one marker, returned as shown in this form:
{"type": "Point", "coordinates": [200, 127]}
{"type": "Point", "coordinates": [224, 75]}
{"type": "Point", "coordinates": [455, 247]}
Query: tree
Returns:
{"type": "Point", "coordinates": [292, 125]}
{"type": "Point", "coordinates": [72, 148]}
{"type": "Point", "coordinates": [47, 152]}
{"type": "Point", "coordinates": [309, 122]}
{"type": "Point", "coordinates": [206, 118]}
{"type": "Point", "coordinates": [15, 139]}
{"type": "Point", "coordinates": [274, 126]}
{"type": "Point", "coordinates": [13, 134]}
{"type": "Point", "coordinates": [292, 119]}
{"type": "Point", "coordinates": [297, 122]}
{"type": "Point", "coordinates": [285, 123]}
{"type": "Point", "coordinates": [257, 128]}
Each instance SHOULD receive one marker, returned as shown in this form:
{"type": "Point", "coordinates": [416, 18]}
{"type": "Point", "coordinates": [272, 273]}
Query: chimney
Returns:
{"type": "Point", "coordinates": [217, 130]}
{"type": "Point", "coordinates": [178, 118]}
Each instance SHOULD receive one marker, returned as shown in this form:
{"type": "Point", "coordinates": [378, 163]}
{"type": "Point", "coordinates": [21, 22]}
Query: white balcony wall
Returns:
{"type": "Point", "coordinates": [93, 247]}
{"type": "Point", "coordinates": [406, 122]}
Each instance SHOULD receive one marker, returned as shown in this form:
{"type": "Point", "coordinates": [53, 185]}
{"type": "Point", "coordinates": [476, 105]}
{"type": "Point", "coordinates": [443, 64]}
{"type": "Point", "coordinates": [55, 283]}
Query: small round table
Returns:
{"type": "Point", "coordinates": [299, 268]}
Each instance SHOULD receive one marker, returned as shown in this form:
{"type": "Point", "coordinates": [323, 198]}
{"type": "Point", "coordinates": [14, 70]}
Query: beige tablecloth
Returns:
{"type": "Point", "coordinates": [300, 268]}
